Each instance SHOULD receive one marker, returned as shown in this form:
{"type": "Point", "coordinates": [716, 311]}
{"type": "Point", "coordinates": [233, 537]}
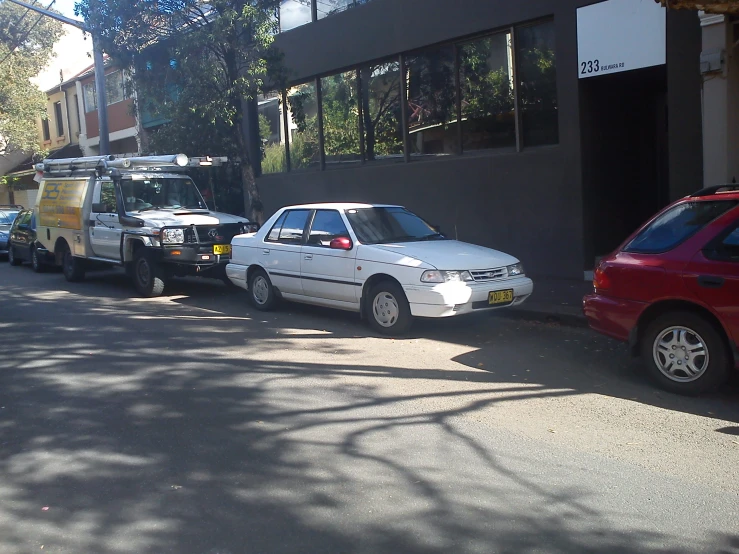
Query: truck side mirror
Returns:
{"type": "Point", "coordinates": [99, 208]}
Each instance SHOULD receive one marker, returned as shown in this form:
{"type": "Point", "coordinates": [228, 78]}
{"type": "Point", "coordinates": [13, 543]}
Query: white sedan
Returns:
{"type": "Point", "coordinates": [381, 261]}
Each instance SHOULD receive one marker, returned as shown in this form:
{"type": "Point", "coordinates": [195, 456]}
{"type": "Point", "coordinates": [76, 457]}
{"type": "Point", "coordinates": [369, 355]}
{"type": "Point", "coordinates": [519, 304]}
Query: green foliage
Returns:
{"type": "Point", "coordinates": [26, 42]}
{"type": "Point", "coordinates": [264, 127]}
{"type": "Point", "coordinates": [274, 159]}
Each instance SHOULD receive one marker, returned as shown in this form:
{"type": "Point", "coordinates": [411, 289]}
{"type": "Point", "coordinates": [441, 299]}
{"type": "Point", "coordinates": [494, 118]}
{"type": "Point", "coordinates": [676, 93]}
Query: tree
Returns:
{"type": "Point", "coordinates": [194, 64]}
{"type": "Point", "coordinates": [26, 42]}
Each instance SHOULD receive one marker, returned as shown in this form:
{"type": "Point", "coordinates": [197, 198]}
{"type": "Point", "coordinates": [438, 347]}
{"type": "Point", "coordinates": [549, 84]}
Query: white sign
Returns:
{"type": "Point", "coordinates": [620, 35]}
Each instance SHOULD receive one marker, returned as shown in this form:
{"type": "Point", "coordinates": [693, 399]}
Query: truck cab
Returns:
{"type": "Point", "coordinates": [144, 214]}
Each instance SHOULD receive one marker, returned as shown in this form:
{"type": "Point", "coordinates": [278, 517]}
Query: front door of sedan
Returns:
{"type": "Point", "coordinates": [327, 272]}
{"type": "Point", "coordinates": [280, 252]}
{"type": "Point", "coordinates": [713, 276]}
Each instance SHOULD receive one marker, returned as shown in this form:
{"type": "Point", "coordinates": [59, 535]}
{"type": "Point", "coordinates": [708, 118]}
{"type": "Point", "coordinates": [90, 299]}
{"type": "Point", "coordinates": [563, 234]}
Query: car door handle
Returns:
{"type": "Point", "coordinates": [309, 256]}
{"type": "Point", "coordinates": [265, 251]}
{"type": "Point", "coordinates": [710, 281]}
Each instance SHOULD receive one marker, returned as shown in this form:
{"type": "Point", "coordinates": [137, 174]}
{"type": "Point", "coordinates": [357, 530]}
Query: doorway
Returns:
{"type": "Point", "coordinates": [624, 155]}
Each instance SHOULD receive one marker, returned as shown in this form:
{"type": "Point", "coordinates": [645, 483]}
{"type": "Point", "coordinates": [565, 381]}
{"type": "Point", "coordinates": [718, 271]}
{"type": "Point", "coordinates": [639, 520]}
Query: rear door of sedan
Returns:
{"type": "Point", "coordinates": [280, 251]}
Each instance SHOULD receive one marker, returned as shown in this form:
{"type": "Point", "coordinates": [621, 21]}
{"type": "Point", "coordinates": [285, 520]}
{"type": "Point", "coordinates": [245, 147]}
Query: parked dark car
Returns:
{"type": "Point", "coordinates": [23, 245]}
{"type": "Point", "coordinates": [8, 213]}
{"type": "Point", "coordinates": [672, 291]}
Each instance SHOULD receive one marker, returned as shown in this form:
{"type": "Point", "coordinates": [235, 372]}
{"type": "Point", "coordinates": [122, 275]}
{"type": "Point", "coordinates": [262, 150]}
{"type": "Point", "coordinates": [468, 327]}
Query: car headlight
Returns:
{"type": "Point", "coordinates": [173, 236]}
{"type": "Point", "coordinates": [437, 276]}
{"type": "Point", "coordinates": [515, 270]}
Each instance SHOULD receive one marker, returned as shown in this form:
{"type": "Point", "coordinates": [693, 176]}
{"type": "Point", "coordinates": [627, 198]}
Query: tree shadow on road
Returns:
{"type": "Point", "coordinates": [150, 426]}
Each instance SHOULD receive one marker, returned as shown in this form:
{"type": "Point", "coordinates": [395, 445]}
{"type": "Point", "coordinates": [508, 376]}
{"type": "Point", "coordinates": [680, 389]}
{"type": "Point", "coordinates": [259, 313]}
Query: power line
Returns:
{"type": "Point", "coordinates": [28, 32]}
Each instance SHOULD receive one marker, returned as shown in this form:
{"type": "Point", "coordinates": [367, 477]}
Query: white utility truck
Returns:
{"type": "Point", "coordinates": [144, 214]}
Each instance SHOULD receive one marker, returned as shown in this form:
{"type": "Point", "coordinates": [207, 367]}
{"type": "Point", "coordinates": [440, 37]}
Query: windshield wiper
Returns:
{"type": "Point", "coordinates": [151, 208]}
{"type": "Point", "coordinates": [434, 236]}
{"type": "Point", "coordinates": [404, 238]}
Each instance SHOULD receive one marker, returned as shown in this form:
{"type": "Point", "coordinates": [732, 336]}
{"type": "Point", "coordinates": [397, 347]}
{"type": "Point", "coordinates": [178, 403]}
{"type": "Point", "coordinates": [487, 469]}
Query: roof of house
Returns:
{"type": "Point", "coordinates": [708, 6]}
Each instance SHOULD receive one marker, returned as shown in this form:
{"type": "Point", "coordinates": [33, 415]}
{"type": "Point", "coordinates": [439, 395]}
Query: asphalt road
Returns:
{"type": "Point", "coordinates": [194, 424]}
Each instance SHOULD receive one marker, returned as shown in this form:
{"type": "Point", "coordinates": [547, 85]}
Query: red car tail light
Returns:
{"type": "Point", "coordinates": [601, 281]}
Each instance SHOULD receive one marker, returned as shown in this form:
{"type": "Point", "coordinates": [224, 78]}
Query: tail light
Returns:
{"type": "Point", "coordinates": [601, 281]}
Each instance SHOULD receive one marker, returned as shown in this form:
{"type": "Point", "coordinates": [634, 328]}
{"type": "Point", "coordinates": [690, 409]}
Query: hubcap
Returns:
{"type": "Point", "coordinates": [143, 273]}
{"type": "Point", "coordinates": [260, 290]}
{"type": "Point", "coordinates": [680, 354]}
{"type": "Point", "coordinates": [385, 309]}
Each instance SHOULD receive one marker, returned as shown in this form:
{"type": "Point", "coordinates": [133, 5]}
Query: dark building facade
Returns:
{"type": "Point", "coordinates": [473, 114]}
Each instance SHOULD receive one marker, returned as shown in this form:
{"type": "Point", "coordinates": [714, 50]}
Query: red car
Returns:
{"type": "Point", "coordinates": [672, 291]}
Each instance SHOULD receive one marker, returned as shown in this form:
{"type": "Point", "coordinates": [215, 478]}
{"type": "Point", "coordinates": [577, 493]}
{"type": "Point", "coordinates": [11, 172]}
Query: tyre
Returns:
{"type": "Point", "coordinates": [36, 264]}
{"type": "Point", "coordinates": [73, 268]}
{"type": "Point", "coordinates": [261, 291]}
{"type": "Point", "coordinates": [684, 353]}
{"type": "Point", "coordinates": [148, 275]}
{"type": "Point", "coordinates": [388, 310]}
{"type": "Point", "coordinates": [12, 259]}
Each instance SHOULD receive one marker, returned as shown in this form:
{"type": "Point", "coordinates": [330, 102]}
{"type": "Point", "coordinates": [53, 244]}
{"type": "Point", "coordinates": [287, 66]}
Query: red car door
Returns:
{"type": "Point", "coordinates": [713, 276]}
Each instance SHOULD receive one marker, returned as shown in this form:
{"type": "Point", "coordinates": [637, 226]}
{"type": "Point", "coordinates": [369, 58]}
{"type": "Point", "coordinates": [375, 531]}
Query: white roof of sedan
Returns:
{"type": "Point", "coordinates": [341, 206]}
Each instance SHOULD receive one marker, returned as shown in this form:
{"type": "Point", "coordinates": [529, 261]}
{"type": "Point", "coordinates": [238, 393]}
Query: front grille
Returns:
{"type": "Point", "coordinates": [482, 275]}
{"type": "Point", "coordinates": [212, 234]}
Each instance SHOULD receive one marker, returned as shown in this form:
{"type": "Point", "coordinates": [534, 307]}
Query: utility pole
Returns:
{"type": "Point", "coordinates": [99, 65]}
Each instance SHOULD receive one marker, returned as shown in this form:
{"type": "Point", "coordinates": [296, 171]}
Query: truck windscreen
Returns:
{"type": "Point", "coordinates": [161, 192]}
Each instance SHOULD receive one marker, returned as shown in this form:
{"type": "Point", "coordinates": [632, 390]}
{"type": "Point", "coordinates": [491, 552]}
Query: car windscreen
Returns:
{"type": "Point", "coordinates": [386, 225]}
{"type": "Point", "coordinates": [7, 217]}
{"type": "Point", "coordinates": [676, 225]}
{"type": "Point", "coordinates": [161, 192]}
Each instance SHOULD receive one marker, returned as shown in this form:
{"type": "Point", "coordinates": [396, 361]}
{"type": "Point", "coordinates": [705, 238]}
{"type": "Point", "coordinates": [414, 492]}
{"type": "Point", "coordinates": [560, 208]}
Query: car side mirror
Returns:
{"type": "Point", "coordinates": [341, 243]}
{"type": "Point", "coordinates": [436, 228]}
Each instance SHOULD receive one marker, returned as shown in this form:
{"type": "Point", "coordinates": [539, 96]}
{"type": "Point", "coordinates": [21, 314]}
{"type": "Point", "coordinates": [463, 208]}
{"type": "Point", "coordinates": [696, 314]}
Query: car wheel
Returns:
{"type": "Point", "coordinates": [12, 259]}
{"type": "Point", "coordinates": [73, 268]}
{"type": "Point", "coordinates": [261, 291]}
{"type": "Point", "coordinates": [36, 264]}
{"type": "Point", "coordinates": [685, 354]}
{"type": "Point", "coordinates": [389, 311]}
{"type": "Point", "coordinates": [148, 276]}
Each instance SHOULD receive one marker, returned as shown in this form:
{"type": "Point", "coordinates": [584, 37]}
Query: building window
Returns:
{"type": "Point", "coordinates": [304, 146]}
{"type": "Point", "coordinates": [330, 7]}
{"type": "Point", "coordinates": [294, 13]}
{"type": "Point", "coordinates": [486, 82]}
{"type": "Point", "coordinates": [115, 91]}
{"type": "Point", "coordinates": [114, 84]}
{"type": "Point", "coordinates": [432, 102]}
{"type": "Point", "coordinates": [88, 95]}
{"type": "Point", "coordinates": [537, 82]}
{"type": "Point", "coordinates": [381, 111]}
{"type": "Point", "coordinates": [340, 118]}
{"type": "Point", "coordinates": [59, 119]}
{"type": "Point", "coordinates": [45, 129]}
{"type": "Point", "coordinates": [271, 134]}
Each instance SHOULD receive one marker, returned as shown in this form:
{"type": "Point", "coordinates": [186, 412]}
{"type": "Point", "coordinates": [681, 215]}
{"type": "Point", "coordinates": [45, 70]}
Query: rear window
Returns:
{"type": "Point", "coordinates": [677, 225]}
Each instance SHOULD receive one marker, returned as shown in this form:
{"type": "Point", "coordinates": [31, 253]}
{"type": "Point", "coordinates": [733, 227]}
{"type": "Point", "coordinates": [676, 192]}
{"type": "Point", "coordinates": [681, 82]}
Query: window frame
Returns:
{"type": "Point", "coordinates": [284, 217]}
{"type": "Point", "coordinates": [309, 227]}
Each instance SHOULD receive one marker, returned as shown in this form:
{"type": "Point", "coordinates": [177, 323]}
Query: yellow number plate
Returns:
{"type": "Point", "coordinates": [500, 296]}
{"type": "Point", "coordinates": [221, 249]}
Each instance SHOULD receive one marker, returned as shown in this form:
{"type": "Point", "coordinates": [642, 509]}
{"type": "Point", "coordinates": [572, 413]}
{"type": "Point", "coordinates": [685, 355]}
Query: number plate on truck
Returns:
{"type": "Point", "coordinates": [221, 249]}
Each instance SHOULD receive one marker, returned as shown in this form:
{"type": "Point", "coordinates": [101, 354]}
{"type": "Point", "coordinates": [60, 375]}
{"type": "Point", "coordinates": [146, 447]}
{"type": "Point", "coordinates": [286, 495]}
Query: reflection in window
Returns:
{"type": "Point", "coordinates": [330, 7]}
{"type": "Point", "coordinates": [340, 118]}
{"type": "Point", "coordinates": [537, 80]}
{"type": "Point", "coordinates": [486, 80]}
{"type": "Point", "coordinates": [271, 134]}
{"type": "Point", "coordinates": [381, 112]}
{"type": "Point", "coordinates": [304, 147]}
{"type": "Point", "coordinates": [294, 13]}
{"type": "Point", "coordinates": [274, 233]}
{"type": "Point", "coordinates": [432, 102]}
